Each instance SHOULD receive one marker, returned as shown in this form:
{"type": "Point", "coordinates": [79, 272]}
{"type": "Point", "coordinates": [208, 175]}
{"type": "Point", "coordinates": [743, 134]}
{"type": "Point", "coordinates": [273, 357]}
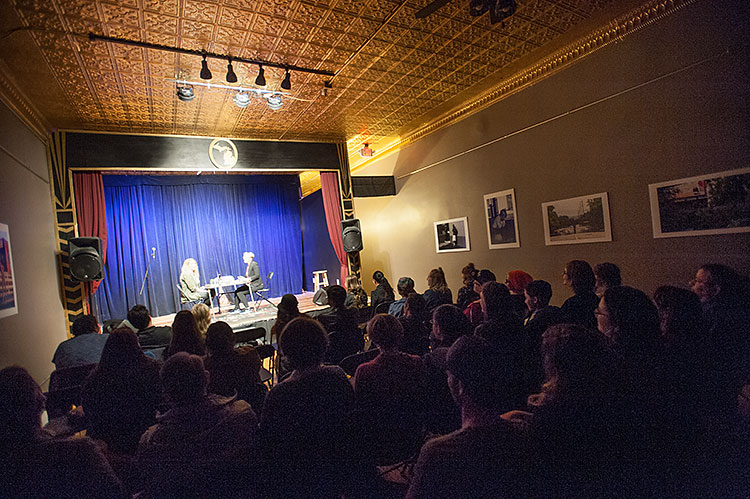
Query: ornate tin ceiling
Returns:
{"type": "Point", "coordinates": [392, 70]}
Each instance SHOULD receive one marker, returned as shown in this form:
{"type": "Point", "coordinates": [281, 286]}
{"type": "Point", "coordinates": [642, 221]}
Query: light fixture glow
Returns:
{"type": "Point", "coordinates": [185, 93]}
{"type": "Point", "coordinates": [286, 84]}
{"type": "Point", "coordinates": [242, 99]}
{"type": "Point", "coordinates": [261, 79]}
{"type": "Point", "coordinates": [205, 72]}
{"type": "Point", "coordinates": [274, 102]}
{"type": "Point", "coordinates": [231, 76]}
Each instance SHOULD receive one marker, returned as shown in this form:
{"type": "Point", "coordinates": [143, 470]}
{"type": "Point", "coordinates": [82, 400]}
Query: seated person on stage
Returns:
{"type": "Point", "coordinates": [85, 347]}
{"type": "Point", "coordinates": [190, 282]}
{"type": "Point", "coordinates": [342, 321]}
{"type": "Point", "coordinates": [405, 287]}
{"type": "Point", "coordinates": [149, 336]}
{"type": "Point", "coordinates": [252, 275]}
{"type": "Point", "coordinates": [484, 459]}
{"type": "Point", "coordinates": [34, 464]}
{"type": "Point", "coordinates": [202, 445]}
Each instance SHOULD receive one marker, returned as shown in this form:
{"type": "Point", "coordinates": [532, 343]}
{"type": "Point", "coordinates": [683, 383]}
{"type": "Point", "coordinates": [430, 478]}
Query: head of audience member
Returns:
{"type": "Point", "coordinates": [184, 379]}
{"type": "Point", "coordinates": [627, 316]}
{"type": "Point", "coordinates": [352, 283]}
{"type": "Point", "coordinates": [21, 406]}
{"type": "Point", "coordinates": [481, 378]}
{"type": "Point", "coordinates": [336, 296]}
{"type": "Point", "coordinates": [386, 332]}
{"type": "Point", "coordinates": [202, 315]}
{"type": "Point", "coordinates": [448, 324]}
{"type": "Point", "coordinates": [248, 257]}
{"type": "Point", "coordinates": [436, 280]}
{"type": "Point", "coordinates": [415, 306]}
{"type": "Point", "coordinates": [468, 274]}
{"type": "Point", "coordinates": [517, 281]}
{"type": "Point", "coordinates": [378, 277]}
{"type": "Point", "coordinates": [220, 339]}
{"type": "Point", "coordinates": [483, 277]}
{"type": "Point", "coordinates": [538, 294]}
{"type": "Point", "coordinates": [139, 317]}
{"type": "Point", "coordinates": [495, 299]}
{"type": "Point", "coordinates": [607, 275]}
{"type": "Point", "coordinates": [679, 312]}
{"type": "Point", "coordinates": [405, 286]}
{"type": "Point", "coordinates": [288, 308]}
{"type": "Point", "coordinates": [303, 342]}
{"type": "Point", "coordinates": [86, 324]}
{"type": "Point", "coordinates": [121, 350]}
{"type": "Point", "coordinates": [579, 275]}
{"type": "Point", "coordinates": [185, 336]}
{"type": "Point", "coordinates": [716, 282]}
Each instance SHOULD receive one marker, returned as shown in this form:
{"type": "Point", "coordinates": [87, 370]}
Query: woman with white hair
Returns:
{"type": "Point", "coordinates": [252, 275]}
{"type": "Point", "coordinates": [190, 282]}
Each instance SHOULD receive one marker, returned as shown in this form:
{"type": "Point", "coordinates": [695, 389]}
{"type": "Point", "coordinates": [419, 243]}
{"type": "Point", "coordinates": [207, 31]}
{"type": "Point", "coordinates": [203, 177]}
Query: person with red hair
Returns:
{"type": "Point", "coordinates": [517, 281]}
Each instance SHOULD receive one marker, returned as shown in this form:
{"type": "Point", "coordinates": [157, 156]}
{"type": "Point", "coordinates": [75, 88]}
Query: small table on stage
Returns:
{"type": "Point", "coordinates": [225, 282]}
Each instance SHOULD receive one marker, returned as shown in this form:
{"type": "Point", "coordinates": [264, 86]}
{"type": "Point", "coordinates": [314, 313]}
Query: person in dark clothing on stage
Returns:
{"type": "Point", "coordinates": [383, 293]}
{"type": "Point", "coordinates": [579, 309]}
{"type": "Point", "coordinates": [252, 273]}
{"type": "Point", "coordinates": [85, 347]}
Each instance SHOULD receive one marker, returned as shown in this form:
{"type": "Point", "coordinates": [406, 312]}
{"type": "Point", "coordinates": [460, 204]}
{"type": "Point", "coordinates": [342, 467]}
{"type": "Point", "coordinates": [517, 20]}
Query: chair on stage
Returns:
{"type": "Point", "coordinates": [260, 292]}
{"type": "Point", "coordinates": [184, 300]}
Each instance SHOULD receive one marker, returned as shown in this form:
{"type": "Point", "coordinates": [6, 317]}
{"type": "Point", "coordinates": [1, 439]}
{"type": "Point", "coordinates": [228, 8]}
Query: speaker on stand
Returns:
{"type": "Point", "coordinates": [351, 234]}
{"type": "Point", "coordinates": [85, 259]}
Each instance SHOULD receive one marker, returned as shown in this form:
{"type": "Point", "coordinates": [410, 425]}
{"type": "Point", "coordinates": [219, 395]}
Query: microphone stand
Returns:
{"type": "Point", "coordinates": [148, 266]}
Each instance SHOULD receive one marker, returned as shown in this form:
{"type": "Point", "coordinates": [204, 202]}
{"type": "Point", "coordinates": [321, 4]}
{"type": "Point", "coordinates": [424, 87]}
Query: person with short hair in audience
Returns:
{"type": "Point", "coordinates": [150, 337]}
{"type": "Point", "coordinates": [202, 314]}
{"type": "Point", "coordinates": [356, 296]}
{"type": "Point", "coordinates": [305, 436]}
{"type": "Point", "coordinates": [85, 347]}
{"type": "Point", "coordinates": [486, 457]}
{"type": "Point", "coordinates": [405, 287]}
{"type": "Point", "coordinates": [607, 276]}
{"type": "Point", "coordinates": [415, 323]}
{"type": "Point", "coordinates": [202, 445]}
{"type": "Point", "coordinates": [516, 282]}
{"type": "Point", "coordinates": [383, 293]}
{"type": "Point", "coordinates": [541, 315]}
{"type": "Point", "coordinates": [390, 396]}
{"type": "Point", "coordinates": [185, 336]}
{"type": "Point", "coordinates": [438, 293]}
{"type": "Point", "coordinates": [233, 372]}
{"type": "Point", "coordinates": [473, 311]}
{"type": "Point", "coordinates": [466, 294]}
{"type": "Point", "coordinates": [121, 396]}
{"type": "Point", "coordinates": [35, 465]}
{"type": "Point", "coordinates": [579, 308]}
{"type": "Point", "coordinates": [343, 324]}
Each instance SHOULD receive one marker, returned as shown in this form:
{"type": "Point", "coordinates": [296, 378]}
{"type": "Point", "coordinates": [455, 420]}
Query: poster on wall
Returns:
{"type": "Point", "coordinates": [8, 301]}
{"type": "Point", "coordinates": [502, 223]}
{"type": "Point", "coordinates": [715, 203]}
{"type": "Point", "coordinates": [452, 235]}
{"type": "Point", "coordinates": [584, 219]}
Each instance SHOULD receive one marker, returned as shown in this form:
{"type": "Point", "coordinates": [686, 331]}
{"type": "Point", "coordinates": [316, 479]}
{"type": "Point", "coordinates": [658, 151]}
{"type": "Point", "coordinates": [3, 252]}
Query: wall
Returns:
{"type": "Point", "coordinates": [30, 337]}
{"type": "Point", "coordinates": [318, 250]}
{"type": "Point", "coordinates": [668, 101]}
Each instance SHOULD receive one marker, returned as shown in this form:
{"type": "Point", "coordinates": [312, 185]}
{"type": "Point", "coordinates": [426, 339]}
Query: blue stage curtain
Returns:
{"type": "Point", "coordinates": [212, 218]}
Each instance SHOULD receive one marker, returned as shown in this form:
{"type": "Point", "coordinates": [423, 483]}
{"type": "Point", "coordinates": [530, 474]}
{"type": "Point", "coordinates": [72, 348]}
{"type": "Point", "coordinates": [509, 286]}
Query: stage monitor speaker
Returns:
{"type": "Point", "coordinates": [352, 235]}
{"type": "Point", "coordinates": [86, 260]}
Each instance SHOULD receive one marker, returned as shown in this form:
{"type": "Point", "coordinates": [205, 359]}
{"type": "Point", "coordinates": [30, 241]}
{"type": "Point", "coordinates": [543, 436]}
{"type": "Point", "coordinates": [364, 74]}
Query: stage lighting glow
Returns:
{"type": "Point", "coordinates": [242, 99]}
{"type": "Point", "coordinates": [185, 93]}
{"type": "Point", "coordinates": [274, 101]}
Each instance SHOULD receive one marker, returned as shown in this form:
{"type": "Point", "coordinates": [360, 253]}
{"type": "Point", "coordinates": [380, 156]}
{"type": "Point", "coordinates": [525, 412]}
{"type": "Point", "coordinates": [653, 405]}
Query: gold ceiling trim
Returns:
{"type": "Point", "coordinates": [183, 136]}
{"type": "Point", "coordinates": [17, 102]}
{"type": "Point", "coordinates": [614, 31]}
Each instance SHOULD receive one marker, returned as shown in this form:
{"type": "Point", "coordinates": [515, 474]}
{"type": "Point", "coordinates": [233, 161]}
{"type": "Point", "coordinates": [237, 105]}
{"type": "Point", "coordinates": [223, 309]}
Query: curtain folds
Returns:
{"type": "Point", "coordinates": [332, 204]}
{"type": "Point", "coordinates": [91, 213]}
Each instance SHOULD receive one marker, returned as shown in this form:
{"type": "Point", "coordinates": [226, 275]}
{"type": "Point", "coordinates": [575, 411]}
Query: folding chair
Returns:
{"type": "Point", "coordinates": [260, 297]}
{"type": "Point", "coordinates": [249, 336]}
{"type": "Point", "coordinates": [267, 352]}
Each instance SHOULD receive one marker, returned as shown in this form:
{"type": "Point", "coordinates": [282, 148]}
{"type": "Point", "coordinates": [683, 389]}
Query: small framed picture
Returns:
{"type": "Point", "coordinates": [584, 219]}
{"type": "Point", "coordinates": [502, 221]}
{"type": "Point", "coordinates": [452, 235]}
{"type": "Point", "coordinates": [8, 297]}
{"type": "Point", "coordinates": [715, 203]}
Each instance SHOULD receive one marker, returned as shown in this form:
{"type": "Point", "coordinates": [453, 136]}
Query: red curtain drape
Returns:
{"type": "Point", "coordinates": [91, 214]}
{"type": "Point", "coordinates": [329, 183]}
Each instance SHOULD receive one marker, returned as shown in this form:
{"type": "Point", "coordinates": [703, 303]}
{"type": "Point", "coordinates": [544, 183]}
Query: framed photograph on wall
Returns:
{"type": "Point", "coordinates": [584, 219]}
{"type": "Point", "coordinates": [8, 298]}
{"type": "Point", "coordinates": [715, 203]}
{"type": "Point", "coordinates": [452, 235]}
{"type": "Point", "coordinates": [502, 222]}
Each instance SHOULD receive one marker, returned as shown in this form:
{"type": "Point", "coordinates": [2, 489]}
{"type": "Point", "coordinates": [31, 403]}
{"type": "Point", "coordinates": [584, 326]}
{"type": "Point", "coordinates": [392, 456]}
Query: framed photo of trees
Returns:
{"type": "Point", "coordinates": [584, 219]}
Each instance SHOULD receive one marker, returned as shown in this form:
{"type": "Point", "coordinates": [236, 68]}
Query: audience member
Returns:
{"type": "Point", "coordinates": [579, 308]}
{"type": "Point", "coordinates": [121, 396]}
{"type": "Point", "coordinates": [85, 347]}
{"type": "Point", "coordinates": [286, 311]}
{"type": "Point", "coordinates": [541, 315]}
{"type": "Point", "coordinates": [202, 314]}
{"type": "Point", "coordinates": [415, 323]}
{"type": "Point", "coordinates": [485, 458]}
{"type": "Point", "coordinates": [389, 391]}
{"type": "Point", "coordinates": [438, 292]}
{"type": "Point", "coordinates": [150, 337]}
{"type": "Point", "coordinates": [305, 434]}
{"type": "Point", "coordinates": [185, 336]}
{"type": "Point", "coordinates": [607, 276]}
{"type": "Point", "coordinates": [405, 287]}
{"type": "Point", "coordinates": [342, 324]}
{"type": "Point", "coordinates": [356, 296]}
{"type": "Point", "coordinates": [516, 282]}
{"type": "Point", "coordinates": [383, 293]}
{"type": "Point", "coordinates": [233, 372]}
{"type": "Point", "coordinates": [467, 294]}
{"type": "Point", "coordinates": [35, 465]}
{"type": "Point", "coordinates": [473, 311]}
{"type": "Point", "coordinates": [201, 447]}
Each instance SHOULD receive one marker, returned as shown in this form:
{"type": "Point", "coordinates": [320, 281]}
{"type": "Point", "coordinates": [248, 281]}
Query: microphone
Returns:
{"type": "Point", "coordinates": [153, 252]}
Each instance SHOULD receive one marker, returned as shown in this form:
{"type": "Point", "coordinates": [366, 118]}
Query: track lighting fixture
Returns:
{"type": "Point", "coordinates": [261, 79]}
{"type": "Point", "coordinates": [286, 84]}
{"type": "Point", "coordinates": [231, 76]}
{"type": "Point", "coordinates": [241, 98]}
{"type": "Point", "coordinates": [205, 72]}
{"type": "Point", "coordinates": [185, 93]}
{"type": "Point", "coordinates": [274, 101]}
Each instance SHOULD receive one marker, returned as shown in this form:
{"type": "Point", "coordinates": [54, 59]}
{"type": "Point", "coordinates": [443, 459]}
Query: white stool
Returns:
{"type": "Point", "coordinates": [320, 279]}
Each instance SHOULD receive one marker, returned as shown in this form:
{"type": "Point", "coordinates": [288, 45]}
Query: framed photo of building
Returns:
{"type": "Point", "coordinates": [501, 219]}
{"type": "Point", "coordinates": [584, 219]}
{"type": "Point", "coordinates": [714, 203]}
{"type": "Point", "coordinates": [8, 297]}
{"type": "Point", "coordinates": [452, 235]}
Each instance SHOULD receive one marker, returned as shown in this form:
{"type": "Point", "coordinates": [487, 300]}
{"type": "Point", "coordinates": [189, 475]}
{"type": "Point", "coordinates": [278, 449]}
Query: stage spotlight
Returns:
{"type": "Point", "coordinates": [261, 79]}
{"type": "Point", "coordinates": [205, 72]}
{"type": "Point", "coordinates": [231, 77]}
{"type": "Point", "coordinates": [286, 84]}
{"type": "Point", "coordinates": [242, 99]}
{"type": "Point", "coordinates": [274, 101]}
{"type": "Point", "coordinates": [185, 93]}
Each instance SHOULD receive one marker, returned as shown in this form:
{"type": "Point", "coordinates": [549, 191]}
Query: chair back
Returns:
{"type": "Point", "coordinates": [382, 308]}
{"type": "Point", "coordinates": [249, 336]}
{"type": "Point", "coordinates": [351, 363]}
{"type": "Point", "coordinates": [365, 314]}
{"type": "Point", "coordinates": [265, 351]}
{"type": "Point", "coordinates": [65, 389]}
{"type": "Point", "coordinates": [70, 376]}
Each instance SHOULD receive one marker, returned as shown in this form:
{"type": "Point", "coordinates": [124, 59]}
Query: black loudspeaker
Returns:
{"type": "Point", "coordinates": [85, 260]}
{"type": "Point", "coordinates": [352, 235]}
